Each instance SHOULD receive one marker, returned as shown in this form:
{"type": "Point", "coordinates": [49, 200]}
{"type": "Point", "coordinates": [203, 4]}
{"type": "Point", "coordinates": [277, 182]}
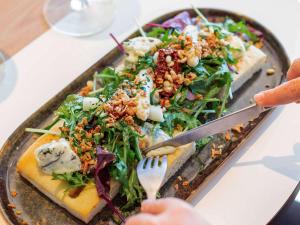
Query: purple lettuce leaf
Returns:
{"type": "Point", "coordinates": [190, 96]}
{"type": "Point", "coordinates": [256, 32]}
{"type": "Point", "coordinates": [119, 45]}
{"type": "Point", "coordinates": [179, 22]}
{"type": "Point", "coordinates": [102, 178]}
{"type": "Point", "coordinates": [157, 25]}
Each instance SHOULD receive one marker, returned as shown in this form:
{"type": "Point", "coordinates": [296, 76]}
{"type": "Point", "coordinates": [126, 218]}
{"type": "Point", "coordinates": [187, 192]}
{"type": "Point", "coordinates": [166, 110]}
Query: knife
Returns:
{"type": "Point", "coordinates": [214, 127]}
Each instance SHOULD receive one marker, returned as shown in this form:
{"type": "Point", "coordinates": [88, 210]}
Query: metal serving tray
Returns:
{"type": "Point", "coordinates": [36, 207]}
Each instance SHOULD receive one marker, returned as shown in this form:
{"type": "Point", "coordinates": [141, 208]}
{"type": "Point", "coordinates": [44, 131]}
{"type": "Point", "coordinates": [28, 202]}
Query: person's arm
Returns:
{"type": "Point", "coordinates": [168, 211]}
{"type": "Point", "coordinates": [285, 93]}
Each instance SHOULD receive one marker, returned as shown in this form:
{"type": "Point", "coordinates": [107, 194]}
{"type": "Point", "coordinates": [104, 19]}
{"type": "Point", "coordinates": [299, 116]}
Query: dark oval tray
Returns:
{"type": "Point", "coordinates": [36, 207]}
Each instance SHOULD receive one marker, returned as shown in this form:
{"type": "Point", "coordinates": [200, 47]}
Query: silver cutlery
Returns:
{"type": "Point", "coordinates": [151, 173]}
{"type": "Point", "coordinates": [214, 127]}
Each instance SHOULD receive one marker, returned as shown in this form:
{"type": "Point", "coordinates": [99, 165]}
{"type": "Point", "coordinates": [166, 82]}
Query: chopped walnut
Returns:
{"type": "Point", "coordinates": [185, 183]}
{"type": "Point", "coordinates": [238, 128]}
{"type": "Point", "coordinates": [227, 136]}
{"type": "Point", "coordinates": [11, 205]}
{"type": "Point", "coordinates": [216, 153]}
{"type": "Point", "coordinates": [270, 71]}
{"type": "Point", "coordinates": [13, 194]}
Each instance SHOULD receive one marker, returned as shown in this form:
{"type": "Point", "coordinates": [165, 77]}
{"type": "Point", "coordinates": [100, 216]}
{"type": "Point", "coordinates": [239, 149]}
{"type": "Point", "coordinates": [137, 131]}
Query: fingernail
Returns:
{"type": "Point", "coordinates": [259, 98]}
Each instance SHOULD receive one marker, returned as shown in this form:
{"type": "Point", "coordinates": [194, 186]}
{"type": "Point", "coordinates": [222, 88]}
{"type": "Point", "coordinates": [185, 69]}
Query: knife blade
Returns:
{"type": "Point", "coordinates": [214, 127]}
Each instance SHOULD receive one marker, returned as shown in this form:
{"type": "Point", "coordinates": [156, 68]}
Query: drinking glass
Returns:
{"type": "Point", "coordinates": [79, 17]}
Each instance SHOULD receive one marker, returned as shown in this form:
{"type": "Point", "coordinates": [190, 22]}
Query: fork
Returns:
{"type": "Point", "coordinates": [151, 174]}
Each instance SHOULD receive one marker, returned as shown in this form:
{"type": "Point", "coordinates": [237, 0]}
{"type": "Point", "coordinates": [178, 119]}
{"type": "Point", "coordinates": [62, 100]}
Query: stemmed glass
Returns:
{"type": "Point", "coordinates": [79, 17]}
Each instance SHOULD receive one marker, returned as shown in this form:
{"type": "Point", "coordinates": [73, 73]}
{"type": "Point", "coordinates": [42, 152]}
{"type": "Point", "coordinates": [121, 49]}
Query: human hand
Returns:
{"type": "Point", "coordinates": [168, 211]}
{"type": "Point", "coordinates": [285, 93]}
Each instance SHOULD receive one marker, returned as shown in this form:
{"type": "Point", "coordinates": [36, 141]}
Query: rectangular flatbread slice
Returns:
{"type": "Point", "coordinates": [87, 204]}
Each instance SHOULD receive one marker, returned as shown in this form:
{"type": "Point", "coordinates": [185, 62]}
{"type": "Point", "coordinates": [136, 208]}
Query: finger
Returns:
{"type": "Point", "coordinates": [142, 219]}
{"type": "Point", "coordinates": [294, 70]}
{"type": "Point", "coordinates": [160, 205]}
{"type": "Point", "coordinates": [283, 94]}
{"type": "Point", "coordinates": [154, 206]}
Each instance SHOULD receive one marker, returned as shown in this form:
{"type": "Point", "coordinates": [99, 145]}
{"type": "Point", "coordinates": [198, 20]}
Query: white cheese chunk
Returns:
{"type": "Point", "coordinates": [154, 136]}
{"type": "Point", "coordinates": [89, 103]}
{"type": "Point", "coordinates": [193, 61]}
{"type": "Point", "coordinates": [160, 136]}
{"type": "Point", "coordinates": [143, 100]}
{"type": "Point", "coordinates": [57, 157]}
{"type": "Point", "coordinates": [155, 57]}
{"type": "Point", "coordinates": [238, 46]}
{"type": "Point", "coordinates": [252, 60]}
{"type": "Point", "coordinates": [192, 31]}
{"type": "Point", "coordinates": [156, 113]}
{"type": "Point", "coordinates": [139, 46]}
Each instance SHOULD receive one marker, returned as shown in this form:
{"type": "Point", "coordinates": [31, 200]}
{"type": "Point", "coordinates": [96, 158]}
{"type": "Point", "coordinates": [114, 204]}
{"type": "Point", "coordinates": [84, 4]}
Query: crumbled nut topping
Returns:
{"type": "Point", "coordinates": [13, 194]}
{"type": "Point", "coordinates": [11, 205]}
{"type": "Point", "coordinates": [270, 71]}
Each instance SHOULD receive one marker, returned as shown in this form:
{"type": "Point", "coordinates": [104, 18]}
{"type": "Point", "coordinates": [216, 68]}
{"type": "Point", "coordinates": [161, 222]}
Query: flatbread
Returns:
{"type": "Point", "coordinates": [87, 204]}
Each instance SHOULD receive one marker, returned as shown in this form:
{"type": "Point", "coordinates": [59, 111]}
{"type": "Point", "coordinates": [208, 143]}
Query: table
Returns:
{"type": "Point", "coordinates": [20, 19]}
{"type": "Point", "coordinates": [252, 186]}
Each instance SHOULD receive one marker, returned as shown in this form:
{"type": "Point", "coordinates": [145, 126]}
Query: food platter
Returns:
{"type": "Point", "coordinates": [35, 207]}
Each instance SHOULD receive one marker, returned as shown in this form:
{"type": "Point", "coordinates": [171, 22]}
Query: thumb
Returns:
{"type": "Point", "coordinates": [294, 70]}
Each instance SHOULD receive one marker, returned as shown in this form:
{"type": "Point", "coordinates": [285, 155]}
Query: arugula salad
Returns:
{"type": "Point", "coordinates": [173, 78]}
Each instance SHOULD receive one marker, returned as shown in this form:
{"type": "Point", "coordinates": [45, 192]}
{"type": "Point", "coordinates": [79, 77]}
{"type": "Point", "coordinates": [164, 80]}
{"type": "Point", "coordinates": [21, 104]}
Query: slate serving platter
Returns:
{"type": "Point", "coordinates": [37, 208]}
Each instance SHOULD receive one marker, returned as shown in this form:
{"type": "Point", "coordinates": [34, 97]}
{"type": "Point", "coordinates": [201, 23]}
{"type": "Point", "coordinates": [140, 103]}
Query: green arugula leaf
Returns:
{"type": "Point", "coordinates": [123, 141]}
{"type": "Point", "coordinates": [71, 111]}
{"type": "Point", "coordinates": [157, 32]}
{"type": "Point", "coordinates": [202, 104]}
{"type": "Point", "coordinates": [218, 29]}
{"type": "Point", "coordinates": [133, 191]}
{"type": "Point", "coordinates": [228, 54]}
{"type": "Point", "coordinates": [108, 75]}
{"type": "Point", "coordinates": [144, 62]}
{"type": "Point", "coordinates": [74, 180]}
{"type": "Point", "coordinates": [110, 80]}
{"type": "Point", "coordinates": [200, 144]}
{"type": "Point", "coordinates": [173, 118]}
{"type": "Point", "coordinates": [239, 27]}
{"type": "Point", "coordinates": [166, 35]}
{"type": "Point", "coordinates": [119, 171]}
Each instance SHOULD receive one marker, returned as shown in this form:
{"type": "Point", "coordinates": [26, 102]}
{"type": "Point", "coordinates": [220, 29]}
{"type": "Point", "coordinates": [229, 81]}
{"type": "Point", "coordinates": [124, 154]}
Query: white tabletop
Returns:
{"type": "Point", "coordinates": [252, 186]}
